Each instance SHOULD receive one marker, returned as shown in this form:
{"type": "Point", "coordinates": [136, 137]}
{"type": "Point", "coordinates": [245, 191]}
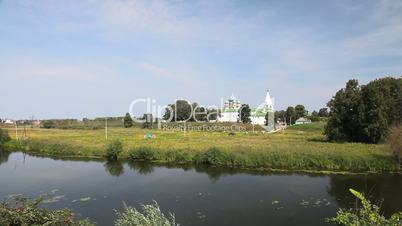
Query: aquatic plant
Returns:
{"type": "Point", "coordinates": [24, 212]}
{"type": "Point", "coordinates": [368, 215]}
{"type": "Point", "coordinates": [151, 216]}
{"type": "Point", "coordinates": [114, 149]}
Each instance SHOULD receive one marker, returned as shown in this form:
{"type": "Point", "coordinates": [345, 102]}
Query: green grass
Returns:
{"type": "Point", "coordinates": [300, 147]}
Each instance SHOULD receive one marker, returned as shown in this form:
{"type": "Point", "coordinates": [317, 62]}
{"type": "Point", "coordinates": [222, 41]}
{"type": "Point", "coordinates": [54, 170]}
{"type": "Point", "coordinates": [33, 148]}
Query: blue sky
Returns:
{"type": "Point", "coordinates": [92, 58]}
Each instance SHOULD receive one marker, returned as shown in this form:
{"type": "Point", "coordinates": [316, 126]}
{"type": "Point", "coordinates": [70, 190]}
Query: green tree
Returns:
{"type": "Point", "coordinates": [364, 113]}
{"type": "Point", "coordinates": [323, 112]}
{"type": "Point", "coordinates": [148, 121]}
{"type": "Point", "coordinates": [245, 113]}
{"type": "Point", "coordinates": [128, 121]}
{"type": "Point", "coordinates": [314, 117]}
{"type": "Point", "coordinates": [346, 107]}
{"type": "Point", "coordinates": [290, 115]}
{"type": "Point", "coordinates": [300, 111]}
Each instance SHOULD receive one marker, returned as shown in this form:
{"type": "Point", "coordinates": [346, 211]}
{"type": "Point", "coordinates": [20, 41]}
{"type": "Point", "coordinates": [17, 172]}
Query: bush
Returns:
{"type": "Point", "coordinates": [4, 137]}
{"type": "Point", "coordinates": [142, 153]}
{"type": "Point", "coordinates": [395, 141]}
{"type": "Point", "coordinates": [215, 156]}
{"type": "Point", "coordinates": [25, 211]}
{"type": "Point", "coordinates": [114, 149]}
{"type": "Point", "coordinates": [151, 216]}
{"type": "Point", "coordinates": [368, 215]}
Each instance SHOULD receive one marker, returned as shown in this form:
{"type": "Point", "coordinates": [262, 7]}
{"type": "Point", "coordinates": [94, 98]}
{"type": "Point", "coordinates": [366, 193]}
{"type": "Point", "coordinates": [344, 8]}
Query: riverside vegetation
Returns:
{"type": "Point", "coordinates": [300, 147]}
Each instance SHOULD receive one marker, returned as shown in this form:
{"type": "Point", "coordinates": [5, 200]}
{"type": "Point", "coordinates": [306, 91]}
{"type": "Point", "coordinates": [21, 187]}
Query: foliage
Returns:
{"type": "Point", "coordinates": [25, 212]}
{"type": "Point", "coordinates": [280, 115]}
{"type": "Point", "coordinates": [114, 149]}
{"type": "Point", "coordinates": [4, 137]}
{"type": "Point", "coordinates": [48, 124]}
{"type": "Point", "coordinates": [151, 216]}
{"type": "Point", "coordinates": [127, 121]}
{"type": "Point", "coordinates": [141, 153]}
{"type": "Point", "coordinates": [314, 117]}
{"type": "Point", "coordinates": [367, 215]}
{"type": "Point", "coordinates": [300, 111]}
{"type": "Point", "coordinates": [148, 121]}
{"type": "Point", "coordinates": [245, 113]}
{"type": "Point", "coordinates": [323, 112]}
{"type": "Point", "coordinates": [183, 110]}
{"type": "Point", "coordinates": [395, 141]}
{"type": "Point", "coordinates": [214, 156]}
{"type": "Point", "coordinates": [290, 115]}
{"type": "Point", "coordinates": [364, 113]}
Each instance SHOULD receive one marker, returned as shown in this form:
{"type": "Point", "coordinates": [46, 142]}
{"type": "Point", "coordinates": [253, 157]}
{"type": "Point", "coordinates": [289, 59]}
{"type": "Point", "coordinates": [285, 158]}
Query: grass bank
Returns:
{"type": "Point", "coordinates": [301, 147]}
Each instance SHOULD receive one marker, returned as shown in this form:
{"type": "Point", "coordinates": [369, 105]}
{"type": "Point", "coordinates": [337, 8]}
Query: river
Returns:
{"type": "Point", "coordinates": [198, 195]}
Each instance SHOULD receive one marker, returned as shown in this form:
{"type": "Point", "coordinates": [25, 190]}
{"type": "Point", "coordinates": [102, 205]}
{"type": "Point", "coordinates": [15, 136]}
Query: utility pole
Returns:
{"type": "Point", "coordinates": [106, 128]}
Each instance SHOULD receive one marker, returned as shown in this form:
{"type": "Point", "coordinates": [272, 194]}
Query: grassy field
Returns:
{"type": "Point", "coordinates": [301, 147]}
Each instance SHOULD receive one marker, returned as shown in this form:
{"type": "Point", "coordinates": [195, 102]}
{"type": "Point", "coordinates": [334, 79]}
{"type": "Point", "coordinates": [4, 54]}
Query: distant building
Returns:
{"type": "Point", "coordinates": [262, 115]}
{"type": "Point", "coordinates": [230, 111]}
{"type": "Point", "coordinates": [302, 120]}
{"type": "Point", "coordinates": [9, 121]}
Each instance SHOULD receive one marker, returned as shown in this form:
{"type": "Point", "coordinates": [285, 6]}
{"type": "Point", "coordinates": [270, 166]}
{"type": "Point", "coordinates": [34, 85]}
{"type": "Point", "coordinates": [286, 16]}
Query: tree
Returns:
{"type": "Point", "coordinates": [314, 117]}
{"type": "Point", "coordinates": [128, 121]}
{"type": "Point", "coordinates": [245, 113]}
{"type": "Point", "coordinates": [300, 111]}
{"type": "Point", "coordinates": [290, 115]}
{"type": "Point", "coordinates": [323, 112]}
{"type": "Point", "coordinates": [365, 113]}
{"type": "Point", "coordinates": [148, 121]}
{"type": "Point", "coordinates": [345, 114]}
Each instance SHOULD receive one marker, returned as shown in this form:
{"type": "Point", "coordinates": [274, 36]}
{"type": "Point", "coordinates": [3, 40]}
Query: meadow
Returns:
{"type": "Point", "coordinates": [299, 147]}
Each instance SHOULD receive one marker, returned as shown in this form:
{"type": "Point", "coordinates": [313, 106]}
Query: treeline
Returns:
{"type": "Point", "coordinates": [183, 110]}
{"type": "Point", "coordinates": [365, 113]}
{"type": "Point", "coordinates": [85, 123]}
{"type": "Point", "coordinates": [291, 114]}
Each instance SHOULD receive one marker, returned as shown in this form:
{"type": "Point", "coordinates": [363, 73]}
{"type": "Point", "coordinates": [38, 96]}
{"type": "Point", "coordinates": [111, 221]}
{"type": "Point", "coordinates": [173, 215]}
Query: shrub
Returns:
{"type": "Point", "coordinates": [395, 141]}
{"type": "Point", "coordinates": [113, 149]}
{"type": "Point", "coordinates": [368, 214]}
{"type": "Point", "coordinates": [215, 156]}
{"type": "Point", "coordinates": [4, 137]}
{"type": "Point", "coordinates": [142, 153]}
{"type": "Point", "coordinates": [151, 216]}
{"type": "Point", "coordinates": [25, 211]}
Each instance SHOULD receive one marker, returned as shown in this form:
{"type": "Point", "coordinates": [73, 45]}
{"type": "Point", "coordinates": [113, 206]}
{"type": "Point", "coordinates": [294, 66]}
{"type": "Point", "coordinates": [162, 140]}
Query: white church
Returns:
{"type": "Point", "coordinates": [230, 112]}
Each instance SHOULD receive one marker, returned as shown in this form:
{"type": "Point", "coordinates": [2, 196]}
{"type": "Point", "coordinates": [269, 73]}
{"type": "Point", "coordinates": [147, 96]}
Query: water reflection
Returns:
{"type": "Point", "coordinates": [382, 189]}
{"type": "Point", "coordinates": [115, 168]}
{"type": "Point", "coordinates": [4, 156]}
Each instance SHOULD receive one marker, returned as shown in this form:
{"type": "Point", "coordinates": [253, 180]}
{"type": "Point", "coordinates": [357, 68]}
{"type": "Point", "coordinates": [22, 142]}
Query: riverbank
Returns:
{"type": "Point", "coordinates": [301, 147]}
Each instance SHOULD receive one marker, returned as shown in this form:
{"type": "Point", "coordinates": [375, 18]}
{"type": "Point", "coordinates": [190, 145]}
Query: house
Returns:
{"type": "Point", "coordinates": [302, 120]}
{"type": "Point", "coordinates": [9, 121]}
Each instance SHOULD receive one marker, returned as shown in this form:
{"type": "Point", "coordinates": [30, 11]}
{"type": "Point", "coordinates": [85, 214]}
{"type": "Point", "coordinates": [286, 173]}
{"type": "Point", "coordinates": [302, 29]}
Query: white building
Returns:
{"type": "Point", "coordinates": [230, 111]}
{"type": "Point", "coordinates": [259, 114]}
{"type": "Point", "coordinates": [302, 120]}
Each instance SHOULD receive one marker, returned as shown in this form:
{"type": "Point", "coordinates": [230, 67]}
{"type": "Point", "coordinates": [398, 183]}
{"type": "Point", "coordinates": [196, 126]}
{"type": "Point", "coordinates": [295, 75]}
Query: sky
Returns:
{"type": "Point", "coordinates": [90, 58]}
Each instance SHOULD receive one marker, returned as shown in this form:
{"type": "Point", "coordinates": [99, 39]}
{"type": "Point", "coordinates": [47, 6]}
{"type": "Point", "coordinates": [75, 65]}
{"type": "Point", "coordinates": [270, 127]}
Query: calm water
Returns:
{"type": "Point", "coordinates": [198, 196]}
